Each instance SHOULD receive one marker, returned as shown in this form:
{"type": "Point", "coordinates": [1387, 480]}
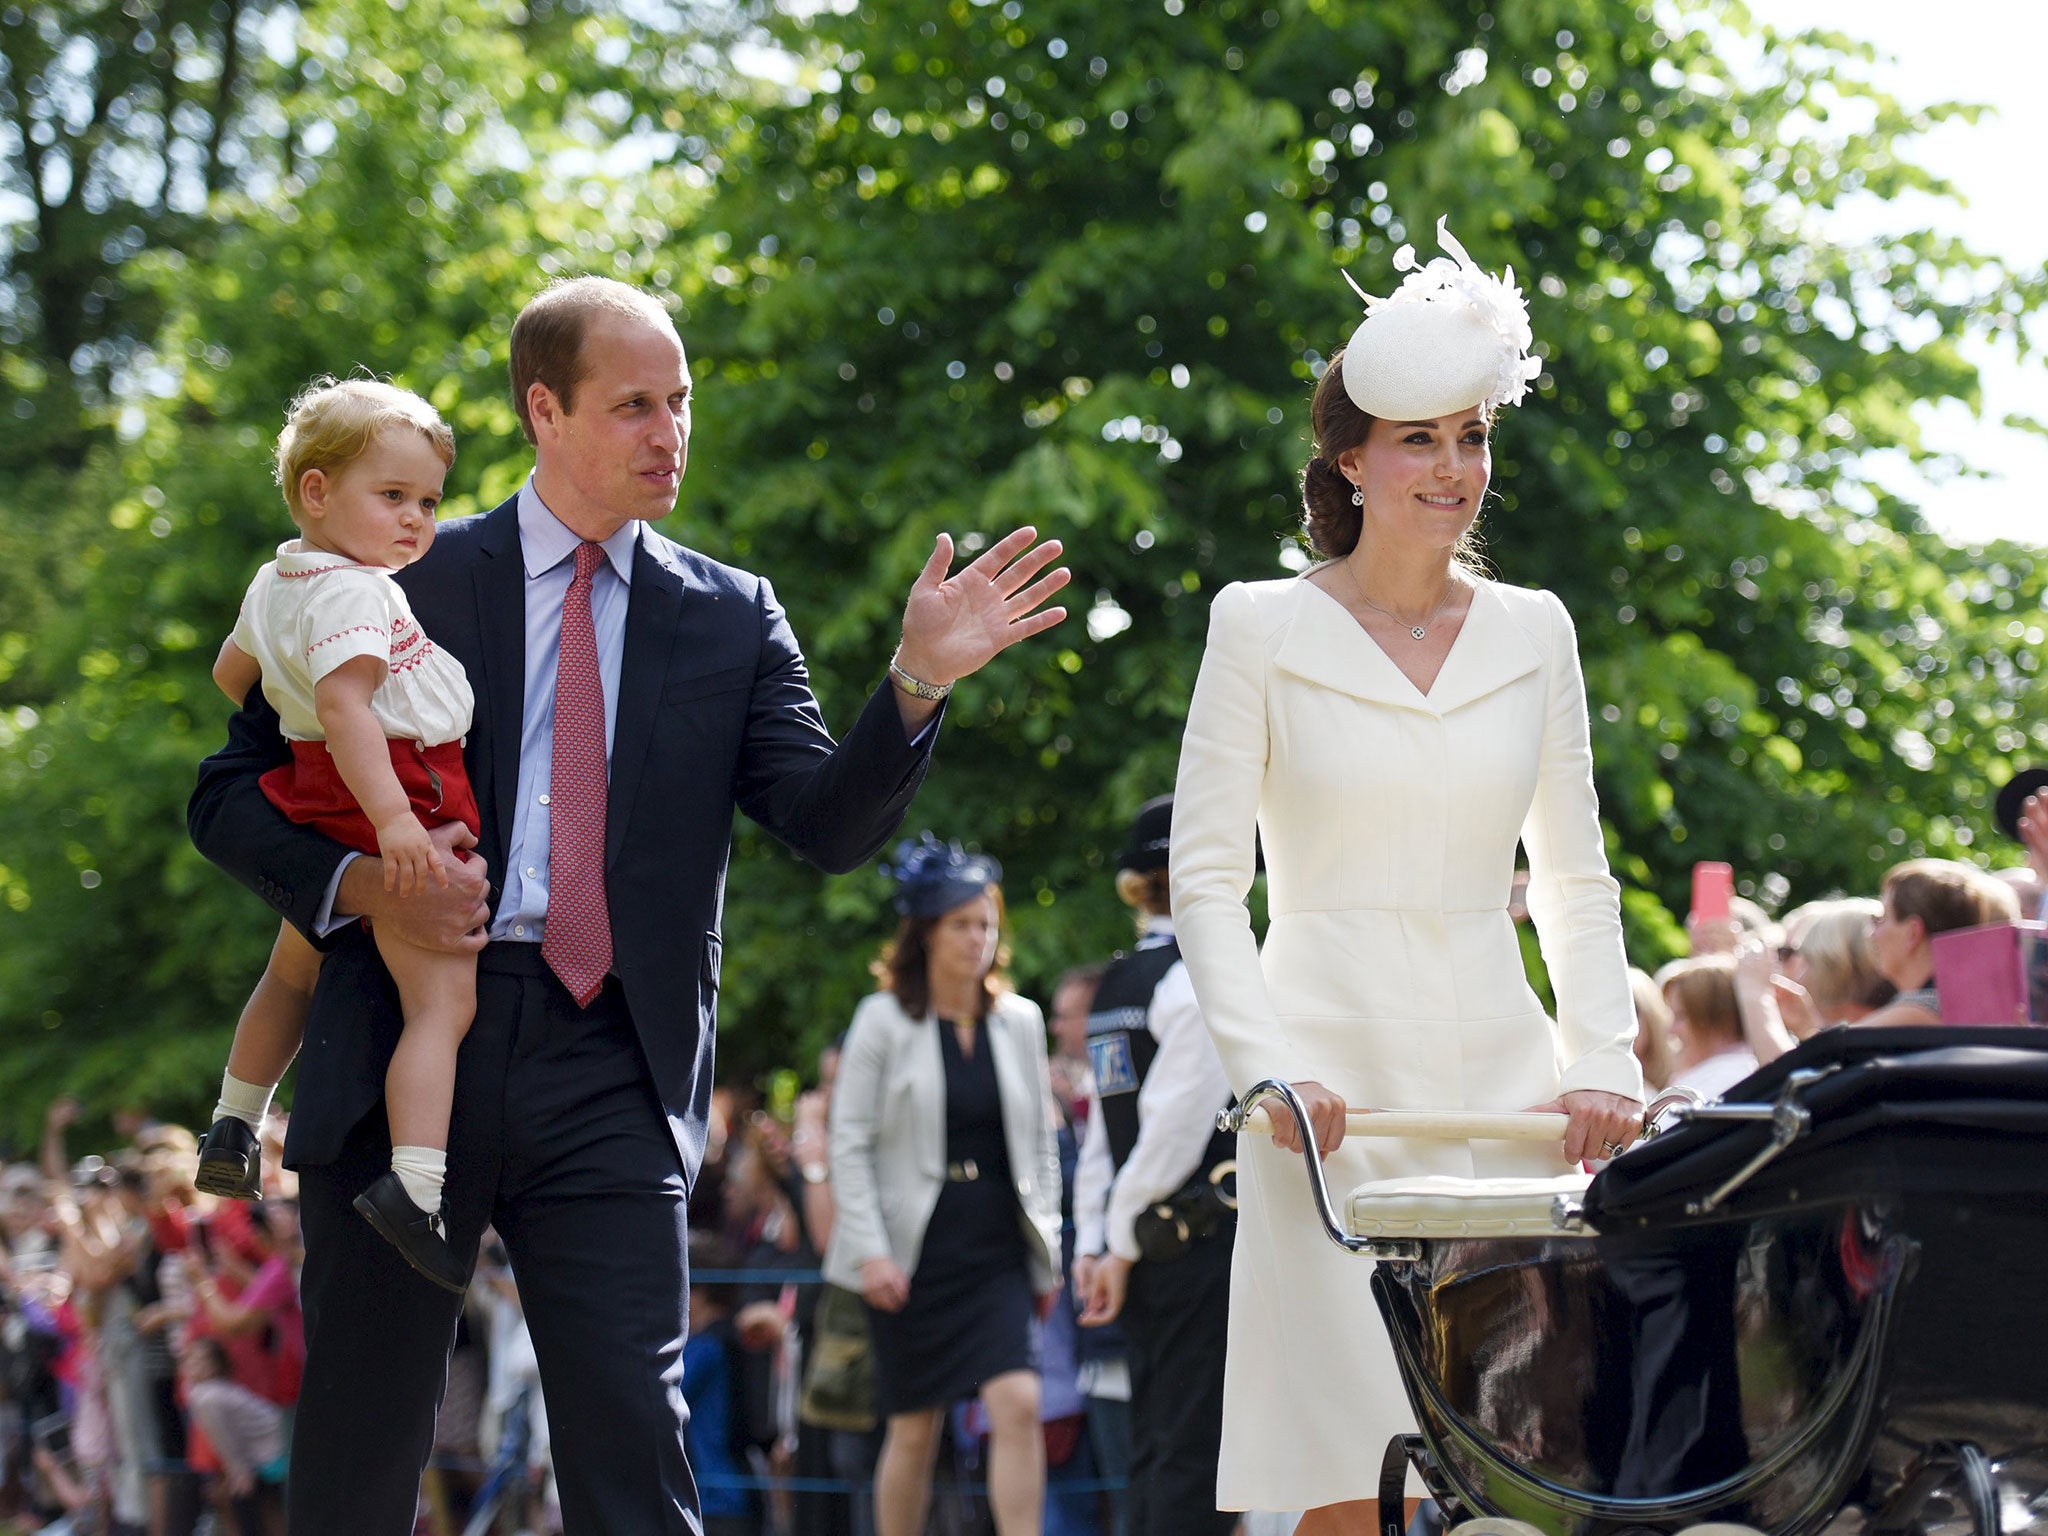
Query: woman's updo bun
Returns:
{"type": "Point", "coordinates": [1329, 516]}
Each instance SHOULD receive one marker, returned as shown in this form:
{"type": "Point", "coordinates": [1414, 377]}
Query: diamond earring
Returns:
{"type": "Point", "coordinates": [1358, 495]}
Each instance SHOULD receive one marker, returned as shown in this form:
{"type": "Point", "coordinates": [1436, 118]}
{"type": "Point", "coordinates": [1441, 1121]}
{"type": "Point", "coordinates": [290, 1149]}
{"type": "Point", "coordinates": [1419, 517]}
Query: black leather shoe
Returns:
{"type": "Point", "coordinates": [230, 1161]}
{"type": "Point", "coordinates": [416, 1235]}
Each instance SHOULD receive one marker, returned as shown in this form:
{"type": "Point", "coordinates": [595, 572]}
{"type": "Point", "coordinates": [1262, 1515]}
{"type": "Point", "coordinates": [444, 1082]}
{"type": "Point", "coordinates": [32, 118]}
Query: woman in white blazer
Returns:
{"type": "Point", "coordinates": [1393, 724]}
{"type": "Point", "coordinates": [946, 1172]}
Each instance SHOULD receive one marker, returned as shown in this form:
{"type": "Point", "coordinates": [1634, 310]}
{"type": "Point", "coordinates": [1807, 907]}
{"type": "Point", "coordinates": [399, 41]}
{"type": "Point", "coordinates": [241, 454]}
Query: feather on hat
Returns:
{"type": "Point", "coordinates": [1450, 337]}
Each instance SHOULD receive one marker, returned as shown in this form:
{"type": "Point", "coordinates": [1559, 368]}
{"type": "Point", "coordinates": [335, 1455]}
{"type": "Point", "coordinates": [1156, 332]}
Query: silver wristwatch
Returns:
{"type": "Point", "coordinates": [917, 687]}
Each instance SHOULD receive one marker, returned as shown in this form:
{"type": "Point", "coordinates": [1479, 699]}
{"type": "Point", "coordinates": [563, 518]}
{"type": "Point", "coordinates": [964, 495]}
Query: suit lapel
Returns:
{"type": "Point", "coordinates": [654, 614]}
{"type": "Point", "coordinates": [1325, 645]}
{"type": "Point", "coordinates": [500, 579]}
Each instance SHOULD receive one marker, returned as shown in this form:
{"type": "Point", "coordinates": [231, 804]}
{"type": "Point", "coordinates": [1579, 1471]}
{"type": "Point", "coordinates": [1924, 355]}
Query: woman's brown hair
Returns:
{"type": "Point", "coordinates": [1330, 518]}
{"type": "Point", "coordinates": [1704, 991]}
{"type": "Point", "coordinates": [904, 966]}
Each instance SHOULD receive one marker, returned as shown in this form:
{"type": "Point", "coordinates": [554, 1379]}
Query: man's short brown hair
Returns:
{"type": "Point", "coordinates": [547, 338]}
{"type": "Point", "coordinates": [1946, 895]}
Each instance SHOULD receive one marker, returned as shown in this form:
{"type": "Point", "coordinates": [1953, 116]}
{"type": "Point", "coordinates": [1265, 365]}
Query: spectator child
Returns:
{"type": "Point", "coordinates": [1706, 1027]}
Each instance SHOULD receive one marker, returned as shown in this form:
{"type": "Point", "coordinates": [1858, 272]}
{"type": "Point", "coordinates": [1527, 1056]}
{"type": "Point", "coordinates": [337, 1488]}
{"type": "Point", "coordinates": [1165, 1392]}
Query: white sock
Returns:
{"type": "Point", "coordinates": [422, 1170]}
{"type": "Point", "coordinates": [247, 1102]}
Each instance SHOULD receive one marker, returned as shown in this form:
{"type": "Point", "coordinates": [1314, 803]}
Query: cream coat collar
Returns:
{"type": "Point", "coordinates": [1325, 645]}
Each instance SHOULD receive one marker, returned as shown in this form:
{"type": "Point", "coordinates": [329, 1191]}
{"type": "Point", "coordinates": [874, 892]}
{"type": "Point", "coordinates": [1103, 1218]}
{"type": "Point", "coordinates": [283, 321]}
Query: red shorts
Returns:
{"type": "Point", "coordinates": [309, 790]}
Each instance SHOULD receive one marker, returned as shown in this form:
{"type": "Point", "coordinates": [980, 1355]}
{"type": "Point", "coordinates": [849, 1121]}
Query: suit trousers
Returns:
{"type": "Point", "coordinates": [559, 1141]}
{"type": "Point", "coordinates": [1176, 1316]}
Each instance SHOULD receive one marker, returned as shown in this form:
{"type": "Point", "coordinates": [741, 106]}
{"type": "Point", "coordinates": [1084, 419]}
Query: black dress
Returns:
{"type": "Point", "coordinates": [970, 1312]}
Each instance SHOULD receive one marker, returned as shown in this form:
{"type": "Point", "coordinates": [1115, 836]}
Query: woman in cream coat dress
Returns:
{"type": "Point", "coordinates": [1393, 725]}
{"type": "Point", "coordinates": [945, 1170]}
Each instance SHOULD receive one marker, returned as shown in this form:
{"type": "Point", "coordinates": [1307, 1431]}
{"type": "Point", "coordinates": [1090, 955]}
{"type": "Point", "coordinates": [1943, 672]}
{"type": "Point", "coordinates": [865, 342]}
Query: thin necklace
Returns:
{"type": "Point", "coordinates": [1419, 631]}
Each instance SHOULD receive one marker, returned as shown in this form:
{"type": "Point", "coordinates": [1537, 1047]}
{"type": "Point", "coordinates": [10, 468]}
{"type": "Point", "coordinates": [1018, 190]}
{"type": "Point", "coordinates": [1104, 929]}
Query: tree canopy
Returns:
{"type": "Point", "coordinates": [952, 265]}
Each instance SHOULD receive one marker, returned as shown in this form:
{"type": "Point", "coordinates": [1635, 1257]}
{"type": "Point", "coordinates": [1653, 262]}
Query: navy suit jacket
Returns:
{"type": "Point", "coordinates": [715, 711]}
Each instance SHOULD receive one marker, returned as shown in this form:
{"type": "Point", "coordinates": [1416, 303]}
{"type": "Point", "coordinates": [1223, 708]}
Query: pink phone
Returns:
{"type": "Point", "coordinates": [1712, 885]}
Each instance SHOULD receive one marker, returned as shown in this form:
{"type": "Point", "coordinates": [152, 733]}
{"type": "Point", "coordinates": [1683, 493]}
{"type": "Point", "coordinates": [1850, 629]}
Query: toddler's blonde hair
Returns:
{"type": "Point", "coordinates": [333, 421]}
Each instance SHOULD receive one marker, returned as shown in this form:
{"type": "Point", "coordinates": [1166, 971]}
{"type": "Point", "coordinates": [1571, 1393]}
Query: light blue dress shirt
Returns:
{"type": "Point", "coordinates": [548, 548]}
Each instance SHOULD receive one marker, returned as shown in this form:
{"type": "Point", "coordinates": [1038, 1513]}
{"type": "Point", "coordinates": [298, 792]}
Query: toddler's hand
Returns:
{"type": "Point", "coordinates": [409, 855]}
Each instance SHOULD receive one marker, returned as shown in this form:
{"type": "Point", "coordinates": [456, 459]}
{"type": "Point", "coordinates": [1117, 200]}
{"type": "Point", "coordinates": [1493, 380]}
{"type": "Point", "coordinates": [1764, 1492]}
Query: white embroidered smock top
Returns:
{"type": "Point", "coordinates": [309, 610]}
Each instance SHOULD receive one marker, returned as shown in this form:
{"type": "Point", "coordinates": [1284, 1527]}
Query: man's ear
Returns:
{"type": "Point", "coordinates": [543, 409]}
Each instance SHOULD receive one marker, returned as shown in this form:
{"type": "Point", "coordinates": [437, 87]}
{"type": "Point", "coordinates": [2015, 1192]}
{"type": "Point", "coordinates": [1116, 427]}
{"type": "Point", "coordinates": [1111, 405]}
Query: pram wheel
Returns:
{"type": "Point", "coordinates": [1951, 1484]}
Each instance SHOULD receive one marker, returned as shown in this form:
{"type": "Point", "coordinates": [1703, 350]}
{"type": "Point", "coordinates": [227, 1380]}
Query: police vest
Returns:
{"type": "Point", "coordinates": [1121, 1048]}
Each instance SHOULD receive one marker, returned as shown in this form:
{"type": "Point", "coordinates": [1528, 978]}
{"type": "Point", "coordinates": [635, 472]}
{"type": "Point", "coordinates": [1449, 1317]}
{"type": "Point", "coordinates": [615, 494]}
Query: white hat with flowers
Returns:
{"type": "Point", "coordinates": [1450, 337]}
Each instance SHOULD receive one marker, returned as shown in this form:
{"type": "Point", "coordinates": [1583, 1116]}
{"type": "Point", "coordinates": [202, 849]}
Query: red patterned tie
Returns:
{"type": "Point", "coordinates": [578, 943]}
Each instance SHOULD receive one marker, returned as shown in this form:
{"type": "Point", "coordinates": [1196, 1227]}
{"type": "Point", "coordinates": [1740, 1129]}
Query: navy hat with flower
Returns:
{"type": "Point", "coordinates": [932, 878]}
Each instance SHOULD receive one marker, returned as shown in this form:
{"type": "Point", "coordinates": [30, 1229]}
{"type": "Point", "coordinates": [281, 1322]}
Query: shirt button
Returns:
{"type": "Point", "coordinates": [532, 873]}
{"type": "Point", "coordinates": [543, 799]}
{"type": "Point", "coordinates": [519, 930]}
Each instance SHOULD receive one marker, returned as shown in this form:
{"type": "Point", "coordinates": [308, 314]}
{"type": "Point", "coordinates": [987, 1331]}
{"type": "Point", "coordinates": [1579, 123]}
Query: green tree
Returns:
{"type": "Point", "coordinates": [977, 264]}
{"type": "Point", "coordinates": [1077, 265]}
{"type": "Point", "coordinates": [443, 165]}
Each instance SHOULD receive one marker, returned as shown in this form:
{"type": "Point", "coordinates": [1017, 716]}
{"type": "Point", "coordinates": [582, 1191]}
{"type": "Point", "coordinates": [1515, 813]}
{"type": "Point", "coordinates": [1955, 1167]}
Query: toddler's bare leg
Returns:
{"type": "Point", "coordinates": [438, 994]}
{"type": "Point", "coordinates": [273, 1021]}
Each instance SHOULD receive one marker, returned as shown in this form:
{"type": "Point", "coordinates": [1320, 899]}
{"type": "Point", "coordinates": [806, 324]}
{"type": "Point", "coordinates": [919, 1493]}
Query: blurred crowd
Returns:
{"type": "Point", "coordinates": [151, 1343]}
{"type": "Point", "coordinates": [1754, 986]}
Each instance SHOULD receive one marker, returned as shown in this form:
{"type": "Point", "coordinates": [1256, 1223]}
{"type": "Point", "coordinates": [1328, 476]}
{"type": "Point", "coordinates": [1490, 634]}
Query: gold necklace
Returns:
{"type": "Point", "coordinates": [1419, 631]}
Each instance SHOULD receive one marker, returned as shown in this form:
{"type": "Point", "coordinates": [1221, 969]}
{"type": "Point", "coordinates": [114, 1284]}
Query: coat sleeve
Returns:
{"type": "Point", "coordinates": [1215, 847]}
{"type": "Point", "coordinates": [857, 1231]}
{"type": "Point", "coordinates": [1045, 1176]}
{"type": "Point", "coordinates": [836, 804]}
{"type": "Point", "coordinates": [234, 824]}
{"type": "Point", "coordinates": [1575, 902]}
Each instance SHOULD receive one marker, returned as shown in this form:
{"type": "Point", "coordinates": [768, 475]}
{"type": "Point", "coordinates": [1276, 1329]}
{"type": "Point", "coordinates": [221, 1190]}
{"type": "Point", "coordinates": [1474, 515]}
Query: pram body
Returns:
{"type": "Point", "coordinates": [1817, 1306]}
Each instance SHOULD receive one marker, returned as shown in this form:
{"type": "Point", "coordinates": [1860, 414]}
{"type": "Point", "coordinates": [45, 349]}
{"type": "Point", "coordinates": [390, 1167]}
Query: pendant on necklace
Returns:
{"type": "Point", "coordinates": [1416, 631]}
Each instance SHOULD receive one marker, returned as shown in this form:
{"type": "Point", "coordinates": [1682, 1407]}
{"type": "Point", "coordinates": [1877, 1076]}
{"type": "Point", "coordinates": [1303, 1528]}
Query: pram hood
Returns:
{"type": "Point", "coordinates": [1961, 1110]}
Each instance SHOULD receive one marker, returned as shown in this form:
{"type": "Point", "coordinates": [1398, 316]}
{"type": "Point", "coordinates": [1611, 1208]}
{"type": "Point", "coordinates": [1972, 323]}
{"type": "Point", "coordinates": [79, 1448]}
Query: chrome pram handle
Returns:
{"type": "Point", "coordinates": [1240, 1117]}
{"type": "Point", "coordinates": [1446, 1124]}
{"type": "Point", "coordinates": [1250, 1115]}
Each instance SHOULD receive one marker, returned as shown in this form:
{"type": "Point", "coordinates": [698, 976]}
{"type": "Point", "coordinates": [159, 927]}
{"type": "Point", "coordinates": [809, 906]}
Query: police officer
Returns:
{"type": "Point", "coordinates": [1151, 1202]}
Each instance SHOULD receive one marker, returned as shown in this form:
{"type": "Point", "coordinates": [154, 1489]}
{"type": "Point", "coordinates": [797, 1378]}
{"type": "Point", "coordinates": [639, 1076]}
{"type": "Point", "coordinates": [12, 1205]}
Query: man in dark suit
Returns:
{"type": "Point", "coordinates": [630, 695]}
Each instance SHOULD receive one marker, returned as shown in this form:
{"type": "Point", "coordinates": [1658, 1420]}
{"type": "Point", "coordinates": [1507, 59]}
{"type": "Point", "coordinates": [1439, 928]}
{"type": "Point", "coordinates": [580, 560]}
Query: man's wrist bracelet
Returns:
{"type": "Point", "coordinates": [917, 687]}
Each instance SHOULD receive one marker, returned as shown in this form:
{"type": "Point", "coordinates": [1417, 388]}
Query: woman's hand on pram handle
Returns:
{"type": "Point", "coordinates": [1600, 1124]}
{"type": "Point", "coordinates": [1325, 1118]}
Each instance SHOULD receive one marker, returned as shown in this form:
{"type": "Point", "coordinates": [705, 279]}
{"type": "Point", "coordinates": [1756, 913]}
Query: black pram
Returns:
{"type": "Point", "coordinates": [1818, 1305]}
